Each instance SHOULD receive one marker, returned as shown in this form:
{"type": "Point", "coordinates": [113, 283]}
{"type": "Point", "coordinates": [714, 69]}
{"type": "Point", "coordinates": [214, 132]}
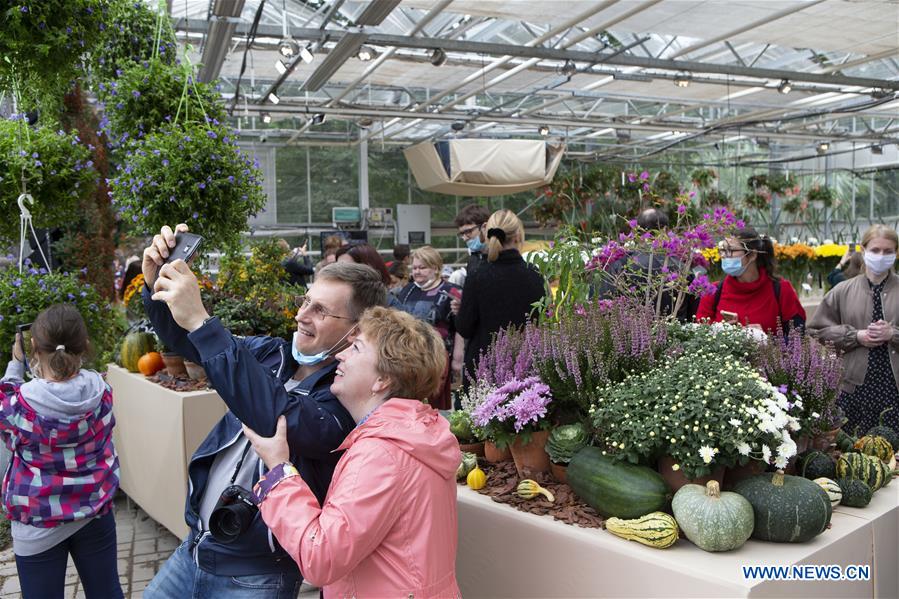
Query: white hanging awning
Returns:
{"type": "Point", "coordinates": [483, 167]}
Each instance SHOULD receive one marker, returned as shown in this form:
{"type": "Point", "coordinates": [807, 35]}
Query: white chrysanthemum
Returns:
{"type": "Point", "coordinates": [743, 448]}
{"type": "Point", "coordinates": [735, 422]}
{"type": "Point", "coordinates": [816, 415]}
{"type": "Point", "coordinates": [780, 463]}
{"type": "Point", "coordinates": [707, 453]}
{"type": "Point", "coordinates": [766, 453]}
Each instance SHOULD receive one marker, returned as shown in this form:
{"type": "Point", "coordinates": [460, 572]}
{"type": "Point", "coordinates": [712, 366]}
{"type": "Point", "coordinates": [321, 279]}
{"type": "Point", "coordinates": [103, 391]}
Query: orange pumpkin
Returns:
{"type": "Point", "coordinates": [150, 363]}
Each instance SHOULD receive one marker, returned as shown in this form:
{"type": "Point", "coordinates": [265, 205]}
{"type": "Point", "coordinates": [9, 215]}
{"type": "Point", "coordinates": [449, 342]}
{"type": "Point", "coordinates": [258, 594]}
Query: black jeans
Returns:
{"type": "Point", "coordinates": [93, 549]}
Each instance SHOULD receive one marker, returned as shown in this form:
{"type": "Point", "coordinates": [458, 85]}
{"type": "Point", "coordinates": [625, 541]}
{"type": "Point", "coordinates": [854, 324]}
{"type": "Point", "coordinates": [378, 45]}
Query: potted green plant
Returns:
{"type": "Point", "coordinates": [564, 441]}
{"type": "Point", "coordinates": [702, 413]}
{"type": "Point", "coordinates": [461, 427]}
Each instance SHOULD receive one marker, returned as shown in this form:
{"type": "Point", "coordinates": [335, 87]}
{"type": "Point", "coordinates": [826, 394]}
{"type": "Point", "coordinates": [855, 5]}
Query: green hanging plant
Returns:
{"type": "Point", "coordinates": [43, 45]}
{"type": "Point", "coordinates": [152, 93]}
{"type": "Point", "coordinates": [129, 35]}
{"type": "Point", "coordinates": [192, 173]}
{"type": "Point", "coordinates": [52, 166]}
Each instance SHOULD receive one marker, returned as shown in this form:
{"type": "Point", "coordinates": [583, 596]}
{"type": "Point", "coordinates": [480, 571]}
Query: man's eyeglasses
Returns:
{"type": "Point", "coordinates": [464, 233]}
{"type": "Point", "coordinates": [303, 302]}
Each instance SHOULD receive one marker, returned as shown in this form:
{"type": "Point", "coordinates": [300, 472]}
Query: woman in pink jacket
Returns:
{"type": "Point", "coordinates": [388, 527]}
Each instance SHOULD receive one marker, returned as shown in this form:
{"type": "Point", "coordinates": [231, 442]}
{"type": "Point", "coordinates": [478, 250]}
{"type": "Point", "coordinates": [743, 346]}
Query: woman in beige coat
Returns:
{"type": "Point", "coordinates": [860, 317]}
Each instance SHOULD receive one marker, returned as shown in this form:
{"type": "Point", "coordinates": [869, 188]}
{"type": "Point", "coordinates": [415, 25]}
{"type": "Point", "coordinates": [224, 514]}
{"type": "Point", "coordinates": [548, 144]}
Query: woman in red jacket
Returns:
{"type": "Point", "coordinates": [751, 293]}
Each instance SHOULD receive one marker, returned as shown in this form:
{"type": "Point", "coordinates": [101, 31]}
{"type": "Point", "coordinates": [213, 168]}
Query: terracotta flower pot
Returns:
{"type": "Point", "coordinates": [475, 448]}
{"type": "Point", "coordinates": [531, 458]}
{"type": "Point", "coordinates": [676, 478]}
{"type": "Point", "coordinates": [734, 475]}
{"type": "Point", "coordinates": [802, 443]}
{"type": "Point", "coordinates": [194, 370]}
{"type": "Point", "coordinates": [825, 439]}
{"type": "Point", "coordinates": [559, 472]}
{"type": "Point", "coordinates": [494, 454]}
{"type": "Point", "coordinates": [174, 364]}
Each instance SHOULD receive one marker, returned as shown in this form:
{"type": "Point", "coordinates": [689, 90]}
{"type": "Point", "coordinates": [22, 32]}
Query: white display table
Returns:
{"type": "Point", "coordinates": [507, 553]}
{"type": "Point", "coordinates": [156, 432]}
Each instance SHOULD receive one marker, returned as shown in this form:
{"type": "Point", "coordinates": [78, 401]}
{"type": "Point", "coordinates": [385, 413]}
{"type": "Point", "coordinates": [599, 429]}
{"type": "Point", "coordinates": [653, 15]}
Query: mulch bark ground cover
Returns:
{"type": "Point", "coordinates": [177, 383]}
{"type": "Point", "coordinates": [502, 480]}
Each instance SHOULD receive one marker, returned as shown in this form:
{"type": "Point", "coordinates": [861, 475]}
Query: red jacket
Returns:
{"type": "Point", "coordinates": [388, 527]}
{"type": "Point", "coordinates": [753, 302]}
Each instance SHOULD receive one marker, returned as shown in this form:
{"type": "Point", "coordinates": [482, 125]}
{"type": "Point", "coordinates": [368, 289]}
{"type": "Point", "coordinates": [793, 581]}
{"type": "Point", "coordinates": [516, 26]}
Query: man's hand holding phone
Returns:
{"type": "Point", "coordinates": [173, 282]}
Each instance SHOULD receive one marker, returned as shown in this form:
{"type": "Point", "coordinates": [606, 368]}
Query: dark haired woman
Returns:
{"type": "Point", "coordinates": [751, 293]}
{"type": "Point", "coordinates": [362, 253]}
{"type": "Point", "coordinates": [500, 293]}
{"type": "Point", "coordinates": [64, 470]}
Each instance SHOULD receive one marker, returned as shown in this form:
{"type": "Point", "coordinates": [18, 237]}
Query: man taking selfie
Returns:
{"type": "Point", "coordinates": [229, 551]}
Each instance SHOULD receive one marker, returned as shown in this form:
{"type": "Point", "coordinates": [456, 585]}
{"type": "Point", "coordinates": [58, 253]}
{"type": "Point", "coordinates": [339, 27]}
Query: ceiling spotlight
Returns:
{"type": "Point", "coordinates": [682, 79]}
{"type": "Point", "coordinates": [457, 125]}
{"type": "Point", "coordinates": [288, 47]}
{"type": "Point", "coordinates": [306, 55]}
{"type": "Point", "coordinates": [623, 134]}
{"type": "Point", "coordinates": [438, 57]}
{"type": "Point", "coordinates": [365, 122]}
{"type": "Point", "coordinates": [568, 69]}
{"type": "Point", "coordinates": [280, 67]}
{"type": "Point", "coordinates": [543, 130]}
{"type": "Point", "coordinates": [785, 86]}
{"type": "Point", "coordinates": [823, 147]}
{"type": "Point", "coordinates": [318, 118]}
{"type": "Point", "coordinates": [274, 99]}
{"type": "Point", "coordinates": [877, 149]}
{"type": "Point", "coordinates": [365, 53]}
{"type": "Point", "coordinates": [266, 118]}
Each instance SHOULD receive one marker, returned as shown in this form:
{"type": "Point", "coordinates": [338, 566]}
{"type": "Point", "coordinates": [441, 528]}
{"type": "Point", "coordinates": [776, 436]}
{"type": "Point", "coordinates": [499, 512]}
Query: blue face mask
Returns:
{"type": "Point", "coordinates": [733, 266]}
{"type": "Point", "coordinates": [475, 245]}
{"type": "Point", "coordinates": [313, 359]}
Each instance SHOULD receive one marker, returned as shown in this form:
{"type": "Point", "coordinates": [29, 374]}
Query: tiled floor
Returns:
{"type": "Point", "coordinates": [144, 546]}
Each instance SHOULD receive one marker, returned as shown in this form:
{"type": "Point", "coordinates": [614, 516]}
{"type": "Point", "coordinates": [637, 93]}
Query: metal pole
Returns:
{"type": "Point", "coordinates": [308, 187]}
{"type": "Point", "coordinates": [363, 177]}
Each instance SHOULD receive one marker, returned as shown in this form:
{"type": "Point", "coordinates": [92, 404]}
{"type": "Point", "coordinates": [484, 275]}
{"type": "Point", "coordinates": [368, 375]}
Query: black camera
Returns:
{"type": "Point", "coordinates": [233, 514]}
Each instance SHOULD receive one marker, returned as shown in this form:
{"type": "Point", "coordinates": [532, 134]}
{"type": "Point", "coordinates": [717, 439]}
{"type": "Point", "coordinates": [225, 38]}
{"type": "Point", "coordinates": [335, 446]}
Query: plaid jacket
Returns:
{"type": "Point", "coordinates": [61, 470]}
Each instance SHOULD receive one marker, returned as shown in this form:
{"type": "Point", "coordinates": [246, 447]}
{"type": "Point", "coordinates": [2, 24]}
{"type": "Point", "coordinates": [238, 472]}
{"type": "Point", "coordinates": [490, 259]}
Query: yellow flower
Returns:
{"type": "Point", "coordinates": [830, 250]}
{"type": "Point", "coordinates": [711, 254]}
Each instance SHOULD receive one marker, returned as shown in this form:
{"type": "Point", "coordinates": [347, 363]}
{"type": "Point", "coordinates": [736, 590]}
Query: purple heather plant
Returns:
{"type": "Point", "coordinates": [810, 372]}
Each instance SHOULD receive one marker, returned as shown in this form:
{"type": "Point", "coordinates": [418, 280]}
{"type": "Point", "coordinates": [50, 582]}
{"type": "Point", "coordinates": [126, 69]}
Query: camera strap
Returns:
{"type": "Point", "coordinates": [246, 449]}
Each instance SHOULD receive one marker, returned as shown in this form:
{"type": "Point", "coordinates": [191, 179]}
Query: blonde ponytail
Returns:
{"type": "Point", "coordinates": [503, 228]}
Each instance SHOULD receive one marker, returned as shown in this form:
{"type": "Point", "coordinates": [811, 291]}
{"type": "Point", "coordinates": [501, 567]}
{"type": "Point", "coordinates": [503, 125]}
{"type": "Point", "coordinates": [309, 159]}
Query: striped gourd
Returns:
{"type": "Point", "coordinates": [875, 446]}
{"type": "Point", "coordinates": [832, 488]}
{"type": "Point", "coordinates": [657, 529]}
{"type": "Point", "coordinates": [134, 346]}
{"type": "Point", "coordinates": [862, 467]}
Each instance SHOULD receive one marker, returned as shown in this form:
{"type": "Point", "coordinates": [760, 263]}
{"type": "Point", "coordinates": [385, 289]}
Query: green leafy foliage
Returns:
{"type": "Point", "coordinates": [129, 35]}
{"type": "Point", "coordinates": [565, 441]}
{"type": "Point", "coordinates": [192, 173]}
{"type": "Point", "coordinates": [24, 295]}
{"type": "Point", "coordinates": [55, 168]}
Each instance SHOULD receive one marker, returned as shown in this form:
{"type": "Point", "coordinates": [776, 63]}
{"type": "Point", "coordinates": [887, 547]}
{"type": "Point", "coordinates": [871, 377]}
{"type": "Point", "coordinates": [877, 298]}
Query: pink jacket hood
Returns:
{"type": "Point", "coordinates": [417, 429]}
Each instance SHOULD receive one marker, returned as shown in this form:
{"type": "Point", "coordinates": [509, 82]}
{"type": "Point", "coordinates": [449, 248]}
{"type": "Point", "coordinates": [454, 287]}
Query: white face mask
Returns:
{"type": "Point", "coordinates": [879, 263]}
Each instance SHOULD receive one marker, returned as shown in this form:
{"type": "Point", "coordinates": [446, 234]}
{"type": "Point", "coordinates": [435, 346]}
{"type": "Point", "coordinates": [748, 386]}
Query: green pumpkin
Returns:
{"type": "Point", "coordinates": [878, 447]}
{"type": "Point", "coordinates": [856, 493]}
{"type": "Point", "coordinates": [712, 520]}
{"type": "Point", "coordinates": [813, 464]}
{"type": "Point", "coordinates": [845, 441]}
{"type": "Point", "coordinates": [469, 462]}
{"type": "Point", "coordinates": [886, 432]}
{"type": "Point", "coordinates": [787, 509]}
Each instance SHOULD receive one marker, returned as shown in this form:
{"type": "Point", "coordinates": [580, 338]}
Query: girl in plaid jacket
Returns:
{"type": "Point", "coordinates": [64, 472]}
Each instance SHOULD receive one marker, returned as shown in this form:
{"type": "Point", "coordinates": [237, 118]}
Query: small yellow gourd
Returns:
{"type": "Point", "coordinates": [529, 489]}
{"type": "Point", "coordinates": [476, 479]}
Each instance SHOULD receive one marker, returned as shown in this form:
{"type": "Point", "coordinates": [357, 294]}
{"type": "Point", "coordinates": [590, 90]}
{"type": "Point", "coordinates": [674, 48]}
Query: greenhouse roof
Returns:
{"type": "Point", "coordinates": [622, 78]}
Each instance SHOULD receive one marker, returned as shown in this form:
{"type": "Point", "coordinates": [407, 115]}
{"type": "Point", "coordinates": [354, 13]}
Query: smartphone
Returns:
{"type": "Point", "coordinates": [24, 342]}
{"type": "Point", "coordinates": [729, 316]}
{"type": "Point", "coordinates": [186, 245]}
